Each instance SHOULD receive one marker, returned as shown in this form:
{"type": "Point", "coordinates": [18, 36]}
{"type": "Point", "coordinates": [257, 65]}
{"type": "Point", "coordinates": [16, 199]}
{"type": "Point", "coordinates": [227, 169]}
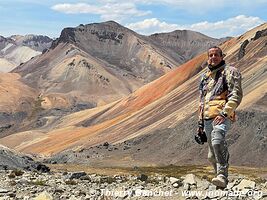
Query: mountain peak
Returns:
{"type": "Point", "coordinates": [111, 22]}
{"type": "Point", "coordinates": [104, 29]}
{"type": "Point", "coordinates": [36, 42]}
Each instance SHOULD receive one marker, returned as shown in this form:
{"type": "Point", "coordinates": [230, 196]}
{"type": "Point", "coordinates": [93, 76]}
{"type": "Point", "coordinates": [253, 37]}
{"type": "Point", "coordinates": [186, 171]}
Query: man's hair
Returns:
{"type": "Point", "coordinates": [216, 47]}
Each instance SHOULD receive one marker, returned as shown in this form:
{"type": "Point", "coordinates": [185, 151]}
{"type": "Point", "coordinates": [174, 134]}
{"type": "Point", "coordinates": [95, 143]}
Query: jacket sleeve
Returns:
{"type": "Point", "coordinates": [235, 93]}
{"type": "Point", "coordinates": [201, 103]}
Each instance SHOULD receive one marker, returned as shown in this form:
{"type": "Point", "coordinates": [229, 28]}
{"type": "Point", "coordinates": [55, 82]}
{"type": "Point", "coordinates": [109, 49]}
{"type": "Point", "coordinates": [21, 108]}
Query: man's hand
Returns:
{"type": "Point", "coordinates": [200, 130]}
{"type": "Point", "coordinates": [218, 120]}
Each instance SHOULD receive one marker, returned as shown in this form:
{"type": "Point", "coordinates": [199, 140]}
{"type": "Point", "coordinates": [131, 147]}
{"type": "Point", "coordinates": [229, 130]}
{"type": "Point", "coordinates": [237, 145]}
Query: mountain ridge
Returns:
{"type": "Point", "coordinates": [17, 49]}
{"type": "Point", "coordinates": [127, 60]}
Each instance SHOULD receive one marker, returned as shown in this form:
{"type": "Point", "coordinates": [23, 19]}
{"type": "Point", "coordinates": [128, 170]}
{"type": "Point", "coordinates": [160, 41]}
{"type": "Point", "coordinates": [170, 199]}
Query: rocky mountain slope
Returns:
{"type": "Point", "coordinates": [35, 42]}
{"type": "Point", "coordinates": [11, 160]}
{"type": "Point", "coordinates": [95, 64]}
{"type": "Point", "coordinates": [18, 102]}
{"type": "Point", "coordinates": [17, 49]}
{"type": "Point", "coordinates": [183, 45]}
{"type": "Point", "coordinates": [160, 117]}
{"type": "Point", "coordinates": [87, 66]}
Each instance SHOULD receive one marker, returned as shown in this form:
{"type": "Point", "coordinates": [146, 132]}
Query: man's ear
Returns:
{"type": "Point", "coordinates": [208, 62]}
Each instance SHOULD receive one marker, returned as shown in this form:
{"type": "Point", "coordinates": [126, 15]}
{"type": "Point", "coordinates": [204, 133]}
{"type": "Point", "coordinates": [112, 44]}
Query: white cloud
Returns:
{"type": "Point", "coordinates": [76, 8]}
{"type": "Point", "coordinates": [229, 27]}
{"type": "Point", "coordinates": [108, 11]}
{"type": "Point", "coordinates": [198, 6]}
{"type": "Point", "coordinates": [149, 26]}
{"type": "Point", "coordinates": [201, 4]}
{"type": "Point", "coordinates": [189, 5]}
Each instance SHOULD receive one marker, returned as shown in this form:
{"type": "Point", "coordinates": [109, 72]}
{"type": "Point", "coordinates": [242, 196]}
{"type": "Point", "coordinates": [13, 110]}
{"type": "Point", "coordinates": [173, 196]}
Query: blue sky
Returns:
{"type": "Point", "coordinates": [213, 18]}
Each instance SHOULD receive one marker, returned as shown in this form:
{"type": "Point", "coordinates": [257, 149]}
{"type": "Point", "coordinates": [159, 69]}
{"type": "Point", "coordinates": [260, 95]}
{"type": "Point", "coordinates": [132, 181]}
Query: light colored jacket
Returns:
{"type": "Point", "coordinates": [220, 92]}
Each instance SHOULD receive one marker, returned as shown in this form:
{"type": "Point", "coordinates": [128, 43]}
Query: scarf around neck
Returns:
{"type": "Point", "coordinates": [212, 68]}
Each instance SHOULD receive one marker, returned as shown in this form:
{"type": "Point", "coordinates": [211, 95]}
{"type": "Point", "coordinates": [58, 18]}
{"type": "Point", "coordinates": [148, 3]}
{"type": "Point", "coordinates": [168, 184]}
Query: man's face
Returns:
{"type": "Point", "coordinates": [214, 57]}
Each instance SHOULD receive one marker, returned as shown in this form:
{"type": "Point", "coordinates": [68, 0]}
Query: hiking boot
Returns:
{"type": "Point", "coordinates": [220, 181]}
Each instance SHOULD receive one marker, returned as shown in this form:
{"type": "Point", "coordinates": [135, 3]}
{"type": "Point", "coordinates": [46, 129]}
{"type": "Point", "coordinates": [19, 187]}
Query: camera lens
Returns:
{"type": "Point", "coordinates": [198, 139]}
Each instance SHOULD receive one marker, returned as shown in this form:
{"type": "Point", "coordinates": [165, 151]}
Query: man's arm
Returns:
{"type": "Point", "coordinates": [201, 105]}
{"type": "Point", "coordinates": [235, 93]}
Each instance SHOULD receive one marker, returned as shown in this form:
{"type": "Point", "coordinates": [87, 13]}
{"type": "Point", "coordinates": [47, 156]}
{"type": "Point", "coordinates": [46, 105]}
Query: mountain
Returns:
{"type": "Point", "coordinates": [160, 118]}
{"type": "Point", "coordinates": [86, 67]}
{"type": "Point", "coordinates": [121, 47]}
{"type": "Point", "coordinates": [95, 64]}
{"type": "Point", "coordinates": [183, 45]}
{"type": "Point", "coordinates": [35, 42]}
{"type": "Point", "coordinates": [157, 119]}
{"type": "Point", "coordinates": [4, 42]}
{"type": "Point", "coordinates": [18, 101]}
{"type": "Point", "coordinates": [17, 49]}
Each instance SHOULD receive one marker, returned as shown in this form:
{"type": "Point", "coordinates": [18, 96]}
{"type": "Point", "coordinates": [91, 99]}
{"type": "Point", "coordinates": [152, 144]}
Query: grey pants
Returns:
{"type": "Point", "coordinates": [218, 152]}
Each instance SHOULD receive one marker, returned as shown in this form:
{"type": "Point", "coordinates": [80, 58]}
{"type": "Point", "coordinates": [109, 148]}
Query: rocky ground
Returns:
{"type": "Point", "coordinates": [11, 160]}
{"type": "Point", "coordinates": [18, 184]}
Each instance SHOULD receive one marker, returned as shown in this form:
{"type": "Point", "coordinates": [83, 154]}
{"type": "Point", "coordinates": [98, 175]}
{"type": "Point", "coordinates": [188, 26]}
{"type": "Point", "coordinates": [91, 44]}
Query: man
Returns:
{"type": "Point", "coordinates": [220, 94]}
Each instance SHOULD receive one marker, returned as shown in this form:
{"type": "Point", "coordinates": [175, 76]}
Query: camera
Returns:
{"type": "Point", "coordinates": [201, 138]}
